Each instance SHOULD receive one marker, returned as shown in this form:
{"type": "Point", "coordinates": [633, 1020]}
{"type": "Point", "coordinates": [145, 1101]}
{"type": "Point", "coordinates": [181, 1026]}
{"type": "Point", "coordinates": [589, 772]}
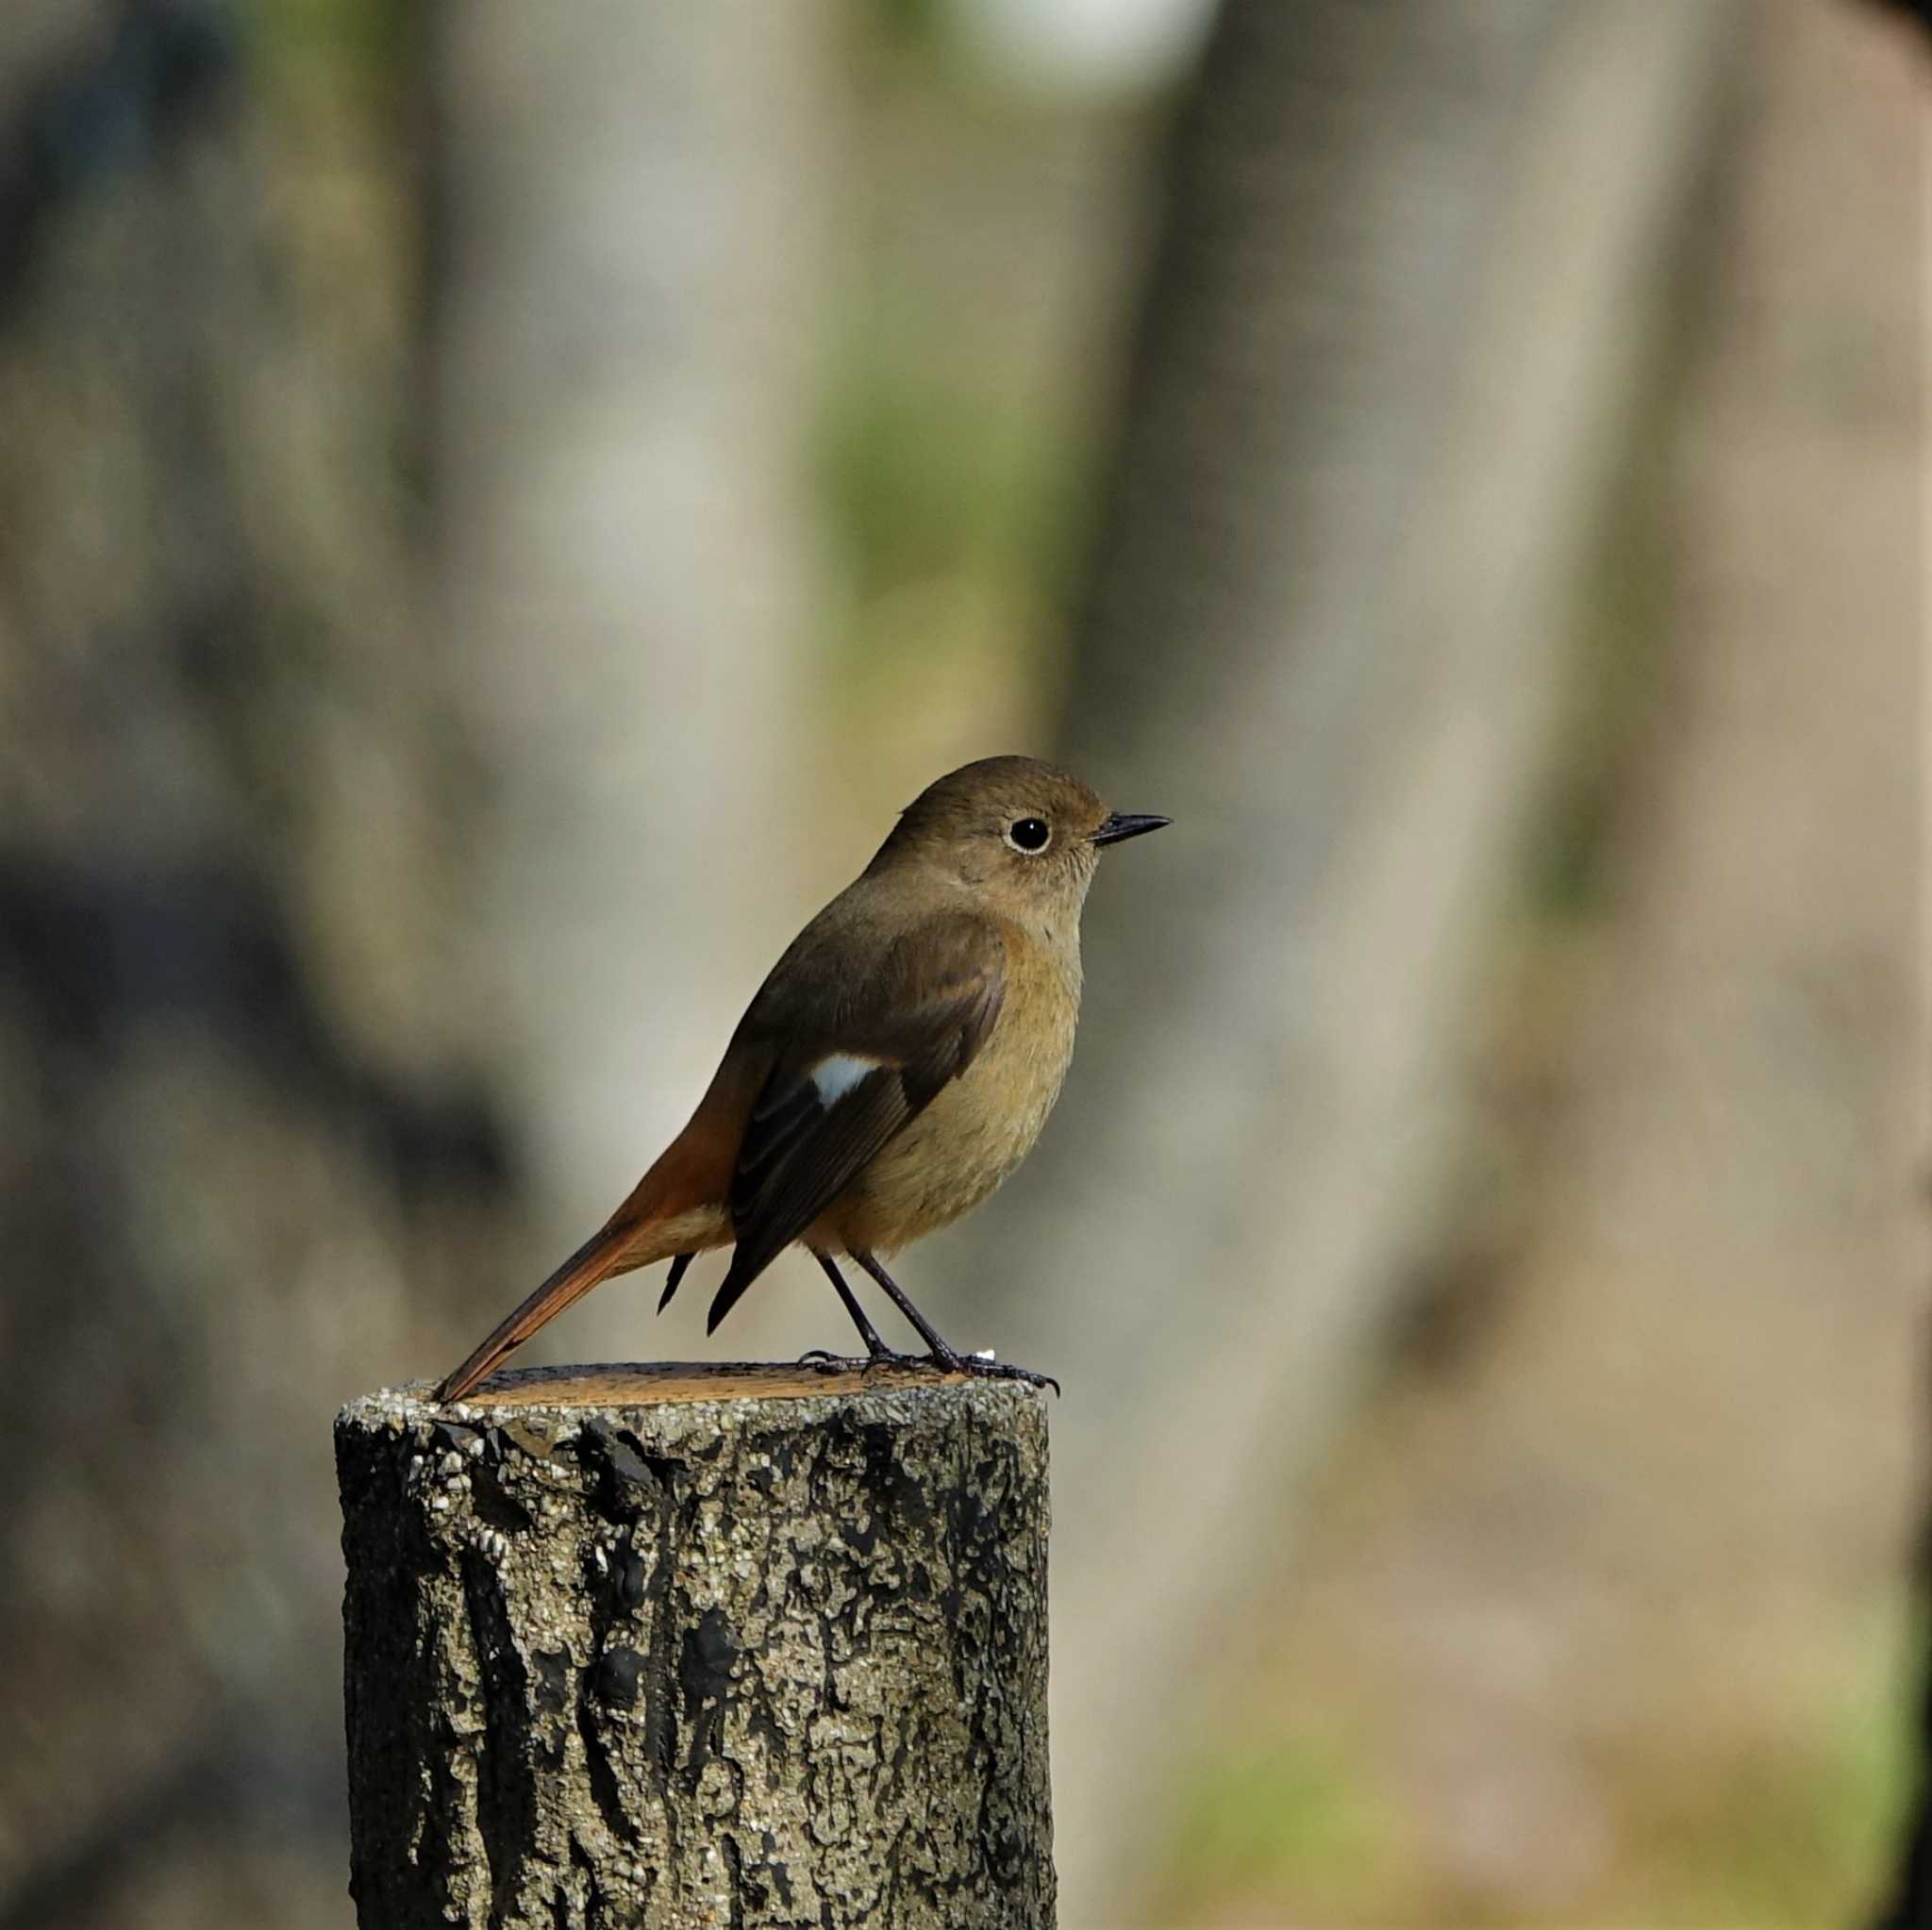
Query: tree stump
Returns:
{"type": "Point", "coordinates": [687, 1645]}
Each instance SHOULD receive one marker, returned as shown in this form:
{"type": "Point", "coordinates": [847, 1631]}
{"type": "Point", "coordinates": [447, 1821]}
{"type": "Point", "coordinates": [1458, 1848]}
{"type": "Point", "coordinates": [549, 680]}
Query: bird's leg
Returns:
{"type": "Point", "coordinates": [942, 1355]}
{"type": "Point", "coordinates": [875, 1349]}
{"type": "Point", "coordinates": [874, 1345]}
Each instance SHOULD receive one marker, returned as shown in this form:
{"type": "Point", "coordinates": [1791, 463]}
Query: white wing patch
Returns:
{"type": "Point", "coordinates": [836, 1077]}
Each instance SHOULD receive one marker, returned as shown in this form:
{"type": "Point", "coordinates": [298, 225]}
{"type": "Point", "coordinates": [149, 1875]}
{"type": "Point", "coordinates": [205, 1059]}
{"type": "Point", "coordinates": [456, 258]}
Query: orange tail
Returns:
{"type": "Point", "coordinates": [676, 1208]}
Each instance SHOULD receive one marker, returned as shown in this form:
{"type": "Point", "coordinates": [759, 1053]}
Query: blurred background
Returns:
{"type": "Point", "coordinates": [498, 507]}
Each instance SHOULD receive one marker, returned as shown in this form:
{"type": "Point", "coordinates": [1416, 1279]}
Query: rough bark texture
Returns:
{"type": "Point", "coordinates": [698, 1646]}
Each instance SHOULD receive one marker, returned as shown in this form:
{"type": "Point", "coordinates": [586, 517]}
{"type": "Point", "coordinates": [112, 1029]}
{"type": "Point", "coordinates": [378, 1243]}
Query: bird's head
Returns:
{"type": "Point", "coordinates": [1020, 833]}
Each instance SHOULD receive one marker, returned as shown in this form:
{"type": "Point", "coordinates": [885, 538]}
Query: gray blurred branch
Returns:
{"type": "Point", "coordinates": [635, 276]}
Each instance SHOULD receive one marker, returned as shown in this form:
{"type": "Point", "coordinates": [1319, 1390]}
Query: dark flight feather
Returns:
{"type": "Point", "coordinates": [680, 1265]}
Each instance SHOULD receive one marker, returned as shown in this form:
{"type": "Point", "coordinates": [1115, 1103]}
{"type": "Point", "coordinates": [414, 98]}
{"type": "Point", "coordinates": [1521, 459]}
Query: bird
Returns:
{"type": "Point", "coordinates": [895, 1065]}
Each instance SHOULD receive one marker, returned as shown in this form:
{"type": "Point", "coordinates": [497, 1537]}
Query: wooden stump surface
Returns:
{"type": "Point", "coordinates": [686, 1645]}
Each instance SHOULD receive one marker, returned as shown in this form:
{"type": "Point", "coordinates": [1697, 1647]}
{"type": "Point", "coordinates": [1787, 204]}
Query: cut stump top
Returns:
{"type": "Point", "coordinates": [634, 1384]}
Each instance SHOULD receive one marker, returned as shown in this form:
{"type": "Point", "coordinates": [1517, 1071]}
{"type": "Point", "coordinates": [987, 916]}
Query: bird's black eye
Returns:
{"type": "Point", "coordinates": [1028, 834]}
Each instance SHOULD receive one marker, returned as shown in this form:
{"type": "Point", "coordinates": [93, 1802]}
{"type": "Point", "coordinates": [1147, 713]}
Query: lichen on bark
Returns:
{"type": "Point", "coordinates": [621, 1654]}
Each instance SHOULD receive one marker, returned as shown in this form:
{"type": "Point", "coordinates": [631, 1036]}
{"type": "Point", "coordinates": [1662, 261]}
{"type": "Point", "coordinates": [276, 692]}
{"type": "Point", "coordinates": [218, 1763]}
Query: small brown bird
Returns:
{"type": "Point", "coordinates": [898, 1063]}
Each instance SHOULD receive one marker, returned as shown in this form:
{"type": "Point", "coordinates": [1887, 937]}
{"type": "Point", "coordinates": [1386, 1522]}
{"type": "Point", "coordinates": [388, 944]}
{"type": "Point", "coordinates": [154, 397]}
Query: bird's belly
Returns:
{"type": "Point", "coordinates": [958, 1149]}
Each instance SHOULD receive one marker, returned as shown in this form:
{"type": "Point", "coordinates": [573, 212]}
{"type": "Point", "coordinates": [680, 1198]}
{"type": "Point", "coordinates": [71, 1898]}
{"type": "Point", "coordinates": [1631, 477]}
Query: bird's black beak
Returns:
{"type": "Point", "coordinates": [1118, 825]}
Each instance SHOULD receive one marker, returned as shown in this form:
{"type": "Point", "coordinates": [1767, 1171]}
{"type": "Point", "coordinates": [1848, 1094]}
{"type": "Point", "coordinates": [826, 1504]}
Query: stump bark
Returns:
{"type": "Point", "coordinates": [688, 1646]}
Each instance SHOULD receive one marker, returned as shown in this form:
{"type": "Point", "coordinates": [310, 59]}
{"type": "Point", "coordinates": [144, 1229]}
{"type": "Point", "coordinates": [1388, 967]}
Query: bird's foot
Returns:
{"type": "Point", "coordinates": [984, 1367]}
{"type": "Point", "coordinates": [825, 1362]}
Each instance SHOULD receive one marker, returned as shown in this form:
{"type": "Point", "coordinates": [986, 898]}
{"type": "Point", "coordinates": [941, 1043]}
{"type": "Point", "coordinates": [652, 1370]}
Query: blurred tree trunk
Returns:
{"type": "Point", "coordinates": [249, 1009]}
{"type": "Point", "coordinates": [1388, 327]}
{"type": "Point", "coordinates": [1608, 1594]}
{"type": "Point", "coordinates": [242, 1137]}
{"type": "Point", "coordinates": [634, 277]}
{"type": "Point", "coordinates": [248, 1003]}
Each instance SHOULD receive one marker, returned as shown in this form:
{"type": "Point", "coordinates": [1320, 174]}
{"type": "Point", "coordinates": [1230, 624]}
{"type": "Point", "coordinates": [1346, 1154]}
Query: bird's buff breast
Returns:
{"type": "Point", "coordinates": [978, 1130]}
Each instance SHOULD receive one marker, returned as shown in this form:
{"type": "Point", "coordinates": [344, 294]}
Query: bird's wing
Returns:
{"type": "Point", "coordinates": [844, 1084]}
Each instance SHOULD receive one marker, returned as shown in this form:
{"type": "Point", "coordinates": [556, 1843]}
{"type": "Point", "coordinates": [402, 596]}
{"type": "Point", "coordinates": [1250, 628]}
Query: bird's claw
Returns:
{"type": "Point", "coordinates": [979, 1366]}
{"type": "Point", "coordinates": [984, 1367]}
{"type": "Point", "coordinates": [824, 1361]}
